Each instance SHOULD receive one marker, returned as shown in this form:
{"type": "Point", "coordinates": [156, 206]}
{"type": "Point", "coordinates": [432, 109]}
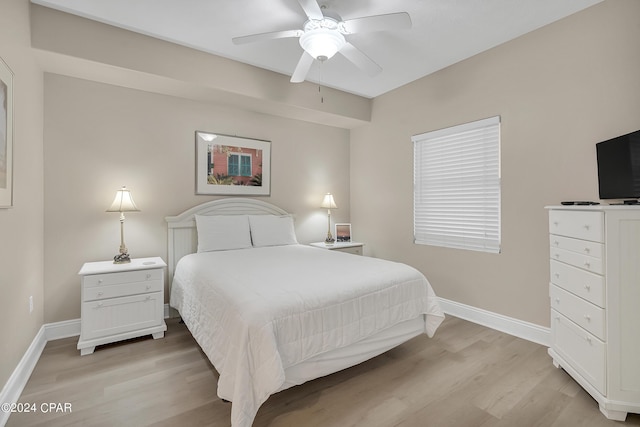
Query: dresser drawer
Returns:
{"type": "Point", "coordinates": [120, 315]}
{"type": "Point", "coordinates": [585, 262]}
{"type": "Point", "coordinates": [111, 291]}
{"type": "Point", "coordinates": [584, 247]}
{"type": "Point", "coordinates": [583, 351]}
{"type": "Point", "coordinates": [578, 224]}
{"type": "Point", "coordinates": [108, 279]}
{"type": "Point", "coordinates": [586, 285]}
{"type": "Point", "coordinates": [581, 312]}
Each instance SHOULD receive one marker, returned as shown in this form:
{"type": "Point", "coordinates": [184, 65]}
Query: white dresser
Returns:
{"type": "Point", "coordinates": [595, 302]}
{"type": "Point", "coordinates": [121, 301]}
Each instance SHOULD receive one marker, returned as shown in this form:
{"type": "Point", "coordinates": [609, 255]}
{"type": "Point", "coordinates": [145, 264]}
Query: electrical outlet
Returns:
{"type": "Point", "coordinates": [31, 304]}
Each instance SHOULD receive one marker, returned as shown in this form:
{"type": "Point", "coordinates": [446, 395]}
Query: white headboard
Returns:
{"type": "Point", "coordinates": [182, 235]}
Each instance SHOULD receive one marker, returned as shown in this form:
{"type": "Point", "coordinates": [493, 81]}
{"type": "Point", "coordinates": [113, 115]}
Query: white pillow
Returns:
{"type": "Point", "coordinates": [222, 232]}
{"type": "Point", "coordinates": [272, 230]}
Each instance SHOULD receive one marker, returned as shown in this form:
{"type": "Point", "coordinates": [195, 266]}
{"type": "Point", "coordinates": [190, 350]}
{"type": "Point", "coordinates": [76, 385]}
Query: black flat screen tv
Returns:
{"type": "Point", "coordinates": [619, 167]}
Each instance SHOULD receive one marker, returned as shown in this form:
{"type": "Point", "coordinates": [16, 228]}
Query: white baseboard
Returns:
{"type": "Point", "coordinates": [509, 325]}
{"type": "Point", "coordinates": [18, 379]}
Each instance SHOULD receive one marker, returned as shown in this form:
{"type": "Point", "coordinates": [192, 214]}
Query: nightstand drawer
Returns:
{"type": "Point", "coordinates": [356, 250]}
{"type": "Point", "coordinates": [119, 315]}
{"type": "Point", "coordinates": [125, 289]}
{"type": "Point", "coordinates": [108, 279]}
{"type": "Point", "coordinates": [581, 312]}
{"type": "Point", "coordinates": [577, 224]}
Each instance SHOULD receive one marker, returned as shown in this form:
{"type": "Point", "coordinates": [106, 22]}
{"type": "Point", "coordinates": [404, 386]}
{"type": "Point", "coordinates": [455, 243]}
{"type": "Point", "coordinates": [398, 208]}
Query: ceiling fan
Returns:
{"type": "Point", "coordinates": [323, 35]}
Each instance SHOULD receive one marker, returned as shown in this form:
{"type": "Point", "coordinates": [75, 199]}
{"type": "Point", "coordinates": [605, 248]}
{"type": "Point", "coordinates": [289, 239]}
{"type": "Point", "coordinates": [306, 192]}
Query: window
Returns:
{"type": "Point", "coordinates": [456, 186]}
{"type": "Point", "coordinates": [239, 165]}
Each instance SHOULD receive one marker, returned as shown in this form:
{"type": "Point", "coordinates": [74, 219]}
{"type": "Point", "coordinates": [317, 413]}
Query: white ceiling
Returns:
{"type": "Point", "coordinates": [443, 32]}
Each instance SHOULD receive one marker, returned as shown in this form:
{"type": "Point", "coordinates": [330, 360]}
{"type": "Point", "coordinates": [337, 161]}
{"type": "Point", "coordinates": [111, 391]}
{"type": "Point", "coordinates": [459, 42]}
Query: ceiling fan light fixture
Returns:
{"type": "Point", "coordinates": [322, 43]}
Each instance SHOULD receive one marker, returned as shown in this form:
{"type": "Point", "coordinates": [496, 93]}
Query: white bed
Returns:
{"type": "Point", "coordinates": [271, 313]}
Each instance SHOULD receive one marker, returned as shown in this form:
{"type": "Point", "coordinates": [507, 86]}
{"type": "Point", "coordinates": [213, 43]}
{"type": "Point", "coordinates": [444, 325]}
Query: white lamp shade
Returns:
{"type": "Point", "coordinates": [123, 202]}
{"type": "Point", "coordinates": [322, 43]}
{"type": "Point", "coordinates": [328, 202]}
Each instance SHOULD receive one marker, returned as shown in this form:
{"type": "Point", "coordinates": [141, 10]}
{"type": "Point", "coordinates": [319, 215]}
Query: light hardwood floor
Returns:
{"type": "Point", "coordinates": [467, 375]}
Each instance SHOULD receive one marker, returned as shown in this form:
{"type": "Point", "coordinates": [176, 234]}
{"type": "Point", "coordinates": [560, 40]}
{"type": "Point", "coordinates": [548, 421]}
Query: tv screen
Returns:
{"type": "Point", "coordinates": [619, 167]}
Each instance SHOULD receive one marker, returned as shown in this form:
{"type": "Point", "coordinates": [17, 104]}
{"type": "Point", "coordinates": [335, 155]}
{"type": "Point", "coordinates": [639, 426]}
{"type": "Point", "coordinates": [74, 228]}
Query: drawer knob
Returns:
{"type": "Point", "coordinates": [556, 223]}
{"type": "Point", "coordinates": [148, 276]}
{"type": "Point", "coordinates": [557, 300]}
{"type": "Point", "coordinates": [148, 297]}
{"type": "Point", "coordinates": [587, 287]}
{"type": "Point", "coordinates": [556, 243]}
{"type": "Point", "coordinates": [587, 250]}
{"type": "Point", "coordinates": [148, 287]}
{"type": "Point", "coordinates": [587, 226]}
{"type": "Point", "coordinates": [99, 294]}
{"type": "Point", "coordinates": [587, 318]}
{"type": "Point", "coordinates": [557, 256]}
{"type": "Point", "coordinates": [99, 305]}
{"type": "Point", "coordinates": [557, 275]}
{"type": "Point", "coordinates": [588, 338]}
{"type": "Point", "coordinates": [99, 281]}
{"type": "Point", "coordinates": [587, 264]}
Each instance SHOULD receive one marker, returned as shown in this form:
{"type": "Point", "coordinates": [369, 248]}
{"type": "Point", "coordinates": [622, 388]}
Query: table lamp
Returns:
{"type": "Point", "coordinates": [328, 203]}
{"type": "Point", "coordinates": [122, 203]}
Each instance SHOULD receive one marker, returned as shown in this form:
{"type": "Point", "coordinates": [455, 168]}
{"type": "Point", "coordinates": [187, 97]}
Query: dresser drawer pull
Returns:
{"type": "Point", "coordinates": [148, 297]}
{"type": "Point", "coordinates": [555, 242]}
{"type": "Point", "coordinates": [587, 287]}
{"type": "Point", "coordinates": [148, 287]}
{"type": "Point", "coordinates": [100, 281]}
{"type": "Point", "coordinates": [587, 250]}
{"type": "Point", "coordinates": [99, 294]}
{"type": "Point", "coordinates": [148, 276]}
{"type": "Point", "coordinates": [587, 264]}
{"type": "Point", "coordinates": [587, 318]}
{"type": "Point", "coordinates": [557, 256]}
{"type": "Point", "coordinates": [557, 275]}
{"type": "Point", "coordinates": [557, 300]}
{"type": "Point", "coordinates": [99, 305]}
{"type": "Point", "coordinates": [588, 338]}
{"type": "Point", "coordinates": [587, 226]}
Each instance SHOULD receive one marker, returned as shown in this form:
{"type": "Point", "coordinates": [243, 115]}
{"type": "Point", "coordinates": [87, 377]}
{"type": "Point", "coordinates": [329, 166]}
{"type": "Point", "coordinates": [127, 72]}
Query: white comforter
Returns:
{"type": "Point", "coordinates": [256, 312]}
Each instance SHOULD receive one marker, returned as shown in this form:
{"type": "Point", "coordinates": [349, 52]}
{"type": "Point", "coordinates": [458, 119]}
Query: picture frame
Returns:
{"type": "Point", "coordinates": [6, 135]}
{"type": "Point", "coordinates": [231, 165]}
{"type": "Point", "coordinates": [343, 232]}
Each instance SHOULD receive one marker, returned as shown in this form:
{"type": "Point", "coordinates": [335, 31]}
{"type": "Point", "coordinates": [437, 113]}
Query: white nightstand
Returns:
{"type": "Point", "coordinates": [121, 301]}
{"type": "Point", "coordinates": [349, 247]}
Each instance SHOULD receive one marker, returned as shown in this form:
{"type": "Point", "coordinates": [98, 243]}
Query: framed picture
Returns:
{"type": "Point", "coordinates": [343, 233]}
{"type": "Point", "coordinates": [231, 165]}
{"type": "Point", "coordinates": [6, 136]}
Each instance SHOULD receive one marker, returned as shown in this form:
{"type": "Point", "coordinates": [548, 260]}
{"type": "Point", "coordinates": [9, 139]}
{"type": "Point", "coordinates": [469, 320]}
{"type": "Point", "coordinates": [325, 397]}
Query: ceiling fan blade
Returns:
{"type": "Point", "coordinates": [267, 36]}
{"type": "Point", "coordinates": [300, 73]}
{"type": "Point", "coordinates": [391, 21]}
{"type": "Point", "coordinates": [311, 8]}
{"type": "Point", "coordinates": [360, 60]}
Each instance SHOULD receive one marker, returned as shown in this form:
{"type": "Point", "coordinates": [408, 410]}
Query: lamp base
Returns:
{"type": "Point", "coordinates": [122, 258]}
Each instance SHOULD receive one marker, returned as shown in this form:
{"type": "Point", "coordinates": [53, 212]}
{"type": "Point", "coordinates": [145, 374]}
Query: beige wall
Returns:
{"type": "Point", "coordinates": [558, 90]}
{"type": "Point", "coordinates": [21, 229]}
{"type": "Point", "coordinates": [99, 137]}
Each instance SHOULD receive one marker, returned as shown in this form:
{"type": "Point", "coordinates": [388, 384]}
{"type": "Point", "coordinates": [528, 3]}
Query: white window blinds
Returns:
{"type": "Point", "coordinates": [457, 186]}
